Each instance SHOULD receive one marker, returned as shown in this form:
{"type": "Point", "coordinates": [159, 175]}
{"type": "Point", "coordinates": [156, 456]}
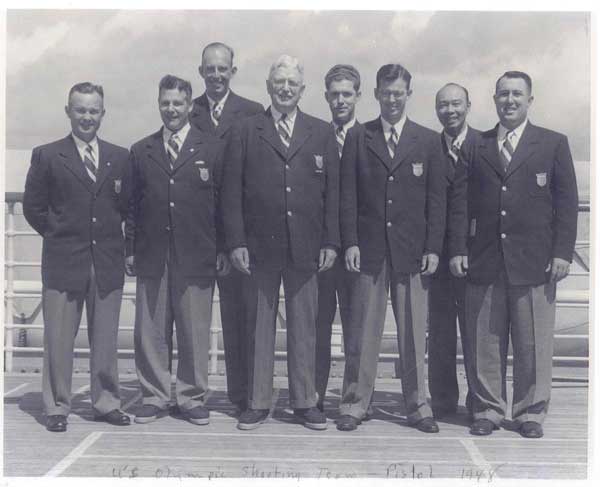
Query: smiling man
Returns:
{"type": "Point", "coordinates": [76, 198]}
{"type": "Point", "coordinates": [513, 229]}
{"type": "Point", "coordinates": [280, 211]}
{"type": "Point", "coordinates": [172, 247]}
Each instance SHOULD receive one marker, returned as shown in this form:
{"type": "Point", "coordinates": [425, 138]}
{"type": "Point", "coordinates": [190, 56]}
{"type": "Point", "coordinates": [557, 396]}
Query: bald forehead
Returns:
{"type": "Point", "coordinates": [219, 52]}
{"type": "Point", "coordinates": [451, 92]}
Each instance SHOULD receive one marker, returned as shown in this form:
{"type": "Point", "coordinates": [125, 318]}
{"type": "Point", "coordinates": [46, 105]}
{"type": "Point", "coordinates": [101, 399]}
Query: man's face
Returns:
{"type": "Point", "coordinates": [342, 98]}
{"type": "Point", "coordinates": [217, 71]}
{"type": "Point", "coordinates": [85, 110]}
{"type": "Point", "coordinates": [452, 108]}
{"type": "Point", "coordinates": [285, 86]}
{"type": "Point", "coordinates": [175, 107]}
{"type": "Point", "coordinates": [392, 97]}
{"type": "Point", "coordinates": [513, 100]}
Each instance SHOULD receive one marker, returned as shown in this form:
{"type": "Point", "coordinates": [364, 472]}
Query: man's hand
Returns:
{"type": "Point", "coordinates": [558, 268]}
{"type": "Point", "coordinates": [241, 259]}
{"type": "Point", "coordinates": [130, 265]}
{"type": "Point", "coordinates": [353, 258]}
{"type": "Point", "coordinates": [223, 264]}
{"type": "Point", "coordinates": [429, 264]}
{"type": "Point", "coordinates": [459, 265]}
{"type": "Point", "coordinates": [326, 259]}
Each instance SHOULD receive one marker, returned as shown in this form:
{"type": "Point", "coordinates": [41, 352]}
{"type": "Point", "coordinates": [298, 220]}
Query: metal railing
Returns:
{"type": "Point", "coordinates": [565, 299]}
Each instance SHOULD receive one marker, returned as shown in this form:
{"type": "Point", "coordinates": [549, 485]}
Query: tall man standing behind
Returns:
{"type": "Point", "coordinates": [280, 206]}
{"type": "Point", "coordinates": [515, 241]}
{"type": "Point", "coordinates": [76, 198]}
{"type": "Point", "coordinates": [214, 112]}
{"type": "Point", "coordinates": [342, 84]}
{"type": "Point", "coordinates": [447, 293]}
{"type": "Point", "coordinates": [393, 212]}
{"type": "Point", "coordinates": [172, 247]}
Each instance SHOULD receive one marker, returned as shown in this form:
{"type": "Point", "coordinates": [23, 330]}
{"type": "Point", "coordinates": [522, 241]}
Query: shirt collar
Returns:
{"type": "Point", "coordinates": [82, 144]}
{"type": "Point", "coordinates": [387, 126]}
{"type": "Point", "coordinates": [460, 138]}
{"type": "Point", "coordinates": [277, 115]}
{"type": "Point", "coordinates": [347, 126]}
{"type": "Point", "coordinates": [181, 133]}
{"type": "Point", "coordinates": [502, 130]}
{"type": "Point", "coordinates": [212, 103]}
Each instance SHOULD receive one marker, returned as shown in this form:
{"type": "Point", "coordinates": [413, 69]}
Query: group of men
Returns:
{"type": "Point", "coordinates": [459, 226]}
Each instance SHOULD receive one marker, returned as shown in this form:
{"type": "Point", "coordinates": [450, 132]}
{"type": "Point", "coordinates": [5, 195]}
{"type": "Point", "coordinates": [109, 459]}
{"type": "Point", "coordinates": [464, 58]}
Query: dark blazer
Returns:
{"type": "Point", "coordinates": [465, 152]}
{"type": "Point", "coordinates": [394, 205]}
{"type": "Point", "coordinates": [538, 194]}
{"type": "Point", "coordinates": [235, 109]}
{"type": "Point", "coordinates": [177, 207]}
{"type": "Point", "coordinates": [79, 220]}
{"type": "Point", "coordinates": [270, 193]}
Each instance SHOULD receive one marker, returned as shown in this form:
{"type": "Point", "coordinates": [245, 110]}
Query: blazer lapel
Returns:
{"type": "Point", "coordinates": [302, 132]}
{"type": "Point", "coordinates": [267, 132]}
{"type": "Point", "coordinates": [189, 148]}
{"type": "Point", "coordinates": [490, 153]}
{"type": "Point", "coordinates": [201, 115]}
{"type": "Point", "coordinates": [228, 115]}
{"type": "Point", "coordinates": [104, 164]}
{"type": "Point", "coordinates": [156, 151]}
{"type": "Point", "coordinates": [376, 142]}
{"type": "Point", "coordinates": [406, 144]}
{"type": "Point", "coordinates": [525, 149]}
{"type": "Point", "coordinates": [72, 160]}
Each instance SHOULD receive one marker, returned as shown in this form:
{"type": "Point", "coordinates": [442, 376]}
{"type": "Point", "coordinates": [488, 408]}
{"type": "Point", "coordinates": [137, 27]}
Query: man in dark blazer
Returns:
{"type": "Point", "coordinates": [447, 293]}
{"type": "Point", "coordinates": [393, 212]}
{"type": "Point", "coordinates": [342, 85]}
{"type": "Point", "coordinates": [214, 112]}
{"type": "Point", "coordinates": [280, 206]}
{"type": "Point", "coordinates": [76, 198]}
{"type": "Point", "coordinates": [172, 247]}
{"type": "Point", "coordinates": [514, 240]}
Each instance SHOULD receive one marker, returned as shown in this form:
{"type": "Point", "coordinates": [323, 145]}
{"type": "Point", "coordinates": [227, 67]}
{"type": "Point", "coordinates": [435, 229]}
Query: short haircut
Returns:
{"type": "Point", "coordinates": [170, 82]}
{"type": "Point", "coordinates": [457, 86]}
{"type": "Point", "coordinates": [392, 72]}
{"type": "Point", "coordinates": [86, 87]}
{"type": "Point", "coordinates": [342, 72]}
{"type": "Point", "coordinates": [287, 61]}
{"type": "Point", "coordinates": [517, 75]}
{"type": "Point", "coordinates": [218, 45]}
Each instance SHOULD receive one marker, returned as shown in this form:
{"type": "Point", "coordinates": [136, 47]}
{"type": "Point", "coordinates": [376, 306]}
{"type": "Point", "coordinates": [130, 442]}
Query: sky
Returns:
{"type": "Point", "coordinates": [128, 51]}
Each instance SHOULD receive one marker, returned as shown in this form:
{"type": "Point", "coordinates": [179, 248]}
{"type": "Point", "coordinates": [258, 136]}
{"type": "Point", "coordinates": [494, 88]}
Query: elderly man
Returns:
{"type": "Point", "coordinates": [513, 238]}
{"type": "Point", "coordinates": [76, 198]}
{"type": "Point", "coordinates": [280, 209]}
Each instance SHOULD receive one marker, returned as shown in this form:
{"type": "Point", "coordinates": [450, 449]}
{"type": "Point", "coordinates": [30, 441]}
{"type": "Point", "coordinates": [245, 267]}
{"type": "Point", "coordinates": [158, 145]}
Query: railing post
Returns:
{"type": "Point", "coordinates": [10, 277]}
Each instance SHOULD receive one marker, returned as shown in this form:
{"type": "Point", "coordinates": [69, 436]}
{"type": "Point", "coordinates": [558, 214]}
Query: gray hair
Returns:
{"type": "Point", "coordinates": [287, 61]}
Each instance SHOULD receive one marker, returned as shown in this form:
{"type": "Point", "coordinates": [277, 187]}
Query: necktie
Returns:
{"type": "Point", "coordinates": [284, 131]}
{"type": "Point", "coordinates": [340, 137]}
{"type": "Point", "coordinates": [90, 162]}
{"type": "Point", "coordinates": [454, 150]}
{"type": "Point", "coordinates": [217, 111]}
{"type": "Point", "coordinates": [173, 148]}
{"type": "Point", "coordinates": [507, 150]}
{"type": "Point", "coordinates": [392, 141]}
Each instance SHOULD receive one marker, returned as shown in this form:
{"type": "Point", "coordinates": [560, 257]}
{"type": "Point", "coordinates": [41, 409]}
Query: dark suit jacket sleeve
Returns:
{"type": "Point", "coordinates": [331, 222]}
{"type": "Point", "coordinates": [458, 221]}
{"type": "Point", "coordinates": [436, 198]}
{"type": "Point", "coordinates": [231, 194]}
{"type": "Point", "coordinates": [36, 196]}
{"type": "Point", "coordinates": [348, 191]}
{"type": "Point", "coordinates": [566, 201]}
{"type": "Point", "coordinates": [133, 205]}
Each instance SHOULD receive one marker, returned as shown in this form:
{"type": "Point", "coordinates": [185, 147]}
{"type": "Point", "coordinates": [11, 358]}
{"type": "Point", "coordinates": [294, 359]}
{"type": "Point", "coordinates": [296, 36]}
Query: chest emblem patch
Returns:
{"type": "Point", "coordinates": [203, 174]}
{"type": "Point", "coordinates": [541, 179]}
{"type": "Point", "coordinates": [319, 161]}
{"type": "Point", "coordinates": [117, 186]}
{"type": "Point", "coordinates": [417, 168]}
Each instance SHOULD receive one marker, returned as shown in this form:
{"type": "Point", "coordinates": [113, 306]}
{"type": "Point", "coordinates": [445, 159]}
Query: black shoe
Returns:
{"type": "Point", "coordinates": [482, 427]}
{"type": "Point", "coordinates": [148, 413]}
{"type": "Point", "coordinates": [57, 423]}
{"type": "Point", "coordinates": [347, 423]}
{"type": "Point", "coordinates": [531, 429]}
{"type": "Point", "coordinates": [198, 415]}
{"type": "Point", "coordinates": [427, 425]}
{"type": "Point", "coordinates": [252, 418]}
{"type": "Point", "coordinates": [116, 417]}
{"type": "Point", "coordinates": [311, 418]}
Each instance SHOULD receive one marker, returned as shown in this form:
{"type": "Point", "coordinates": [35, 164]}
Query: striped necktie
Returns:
{"type": "Point", "coordinates": [89, 161]}
{"type": "Point", "coordinates": [454, 150]}
{"type": "Point", "coordinates": [173, 148]}
{"type": "Point", "coordinates": [216, 113]}
{"type": "Point", "coordinates": [507, 150]}
{"type": "Point", "coordinates": [284, 131]}
{"type": "Point", "coordinates": [340, 137]}
{"type": "Point", "coordinates": [392, 142]}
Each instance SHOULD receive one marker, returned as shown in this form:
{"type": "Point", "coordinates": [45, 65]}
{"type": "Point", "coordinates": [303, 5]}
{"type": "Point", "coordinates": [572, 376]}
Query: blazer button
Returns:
{"type": "Point", "coordinates": [288, 189]}
{"type": "Point", "coordinates": [172, 205]}
{"type": "Point", "coordinates": [93, 242]}
{"type": "Point", "coordinates": [391, 178]}
{"type": "Point", "coordinates": [168, 228]}
{"type": "Point", "coordinates": [389, 202]}
{"type": "Point", "coordinates": [504, 188]}
{"type": "Point", "coordinates": [503, 213]}
{"type": "Point", "coordinates": [289, 213]}
{"type": "Point", "coordinates": [389, 224]}
{"type": "Point", "coordinates": [171, 181]}
{"type": "Point", "coordinates": [287, 166]}
{"type": "Point", "coordinates": [503, 235]}
{"type": "Point", "coordinates": [94, 219]}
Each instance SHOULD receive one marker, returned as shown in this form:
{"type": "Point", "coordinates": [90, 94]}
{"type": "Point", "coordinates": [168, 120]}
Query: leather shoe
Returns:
{"type": "Point", "coordinates": [482, 427]}
{"type": "Point", "coordinates": [116, 417]}
{"type": "Point", "coordinates": [347, 423]}
{"type": "Point", "coordinates": [427, 425]}
{"type": "Point", "coordinates": [57, 423]}
{"type": "Point", "coordinates": [531, 429]}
